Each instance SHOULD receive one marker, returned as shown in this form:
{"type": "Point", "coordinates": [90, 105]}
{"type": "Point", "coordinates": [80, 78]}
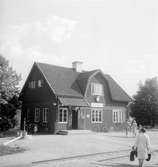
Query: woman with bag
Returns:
{"type": "Point", "coordinates": [142, 144]}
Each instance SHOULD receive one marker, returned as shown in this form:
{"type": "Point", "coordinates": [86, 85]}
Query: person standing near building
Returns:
{"type": "Point", "coordinates": [127, 127]}
{"type": "Point", "coordinates": [35, 129]}
{"type": "Point", "coordinates": [142, 144]}
{"type": "Point", "coordinates": [134, 128]}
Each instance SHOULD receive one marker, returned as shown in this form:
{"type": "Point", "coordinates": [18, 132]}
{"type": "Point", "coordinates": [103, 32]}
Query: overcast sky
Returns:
{"type": "Point", "coordinates": [120, 37]}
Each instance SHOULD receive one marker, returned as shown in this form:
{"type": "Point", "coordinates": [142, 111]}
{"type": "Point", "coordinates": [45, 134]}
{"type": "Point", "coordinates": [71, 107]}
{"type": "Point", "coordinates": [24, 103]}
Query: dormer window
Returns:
{"type": "Point", "coordinates": [97, 89]}
{"type": "Point", "coordinates": [40, 83]}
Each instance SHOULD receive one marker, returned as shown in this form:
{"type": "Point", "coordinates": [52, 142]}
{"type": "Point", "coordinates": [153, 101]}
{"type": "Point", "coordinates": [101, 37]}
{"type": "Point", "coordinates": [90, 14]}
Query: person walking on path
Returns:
{"type": "Point", "coordinates": [142, 144]}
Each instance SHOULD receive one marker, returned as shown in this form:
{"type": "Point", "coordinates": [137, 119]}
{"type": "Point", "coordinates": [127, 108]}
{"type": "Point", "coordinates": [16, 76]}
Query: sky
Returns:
{"type": "Point", "coordinates": [120, 37]}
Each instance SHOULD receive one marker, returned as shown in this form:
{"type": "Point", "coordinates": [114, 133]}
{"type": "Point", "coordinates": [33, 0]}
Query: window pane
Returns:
{"type": "Point", "coordinates": [65, 116]}
{"type": "Point", "coordinates": [96, 116]}
{"type": "Point", "coordinates": [60, 115]}
{"type": "Point", "coordinates": [40, 83]}
{"type": "Point", "coordinates": [37, 114]}
{"type": "Point", "coordinates": [100, 116]}
{"type": "Point", "coordinates": [93, 119]}
{"type": "Point", "coordinates": [113, 116]}
{"type": "Point", "coordinates": [96, 89]}
{"type": "Point", "coordinates": [120, 116]}
{"type": "Point", "coordinates": [45, 115]}
{"type": "Point", "coordinates": [117, 117]}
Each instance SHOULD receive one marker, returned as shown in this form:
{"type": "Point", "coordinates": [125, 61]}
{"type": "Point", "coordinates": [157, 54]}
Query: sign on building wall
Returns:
{"type": "Point", "coordinates": [97, 105]}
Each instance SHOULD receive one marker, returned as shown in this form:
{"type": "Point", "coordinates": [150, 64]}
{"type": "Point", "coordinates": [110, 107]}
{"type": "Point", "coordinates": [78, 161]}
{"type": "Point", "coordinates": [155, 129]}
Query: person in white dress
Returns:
{"type": "Point", "coordinates": [142, 144]}
{"type": "Point", "coordinates": [134, 128]}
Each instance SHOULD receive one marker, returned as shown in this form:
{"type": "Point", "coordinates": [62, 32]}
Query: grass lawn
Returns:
{"type": "Point", "coordinates": [10, 133]}
{"type": "Point", "coordinates": [4, 150]}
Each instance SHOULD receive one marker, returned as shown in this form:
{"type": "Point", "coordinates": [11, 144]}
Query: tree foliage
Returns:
{"type": "Point", "coordinates": [9, 91]}
{"type": "Point", "coordinates": [145, 105]}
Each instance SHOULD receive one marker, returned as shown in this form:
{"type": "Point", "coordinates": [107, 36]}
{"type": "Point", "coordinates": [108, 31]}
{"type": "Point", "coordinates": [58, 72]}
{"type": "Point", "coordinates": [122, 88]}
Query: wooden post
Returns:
{"type": "Point", "coordinates": [56, 117]}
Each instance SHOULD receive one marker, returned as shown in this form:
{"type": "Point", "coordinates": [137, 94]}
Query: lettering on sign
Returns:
{"type": "Point", "coordinates": [97, 105]}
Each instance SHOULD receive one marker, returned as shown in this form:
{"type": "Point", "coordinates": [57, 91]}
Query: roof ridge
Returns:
{"type": "Point", "coordinates": [58, 66]}
{"type": "Point", "coordinates": [51, 71]}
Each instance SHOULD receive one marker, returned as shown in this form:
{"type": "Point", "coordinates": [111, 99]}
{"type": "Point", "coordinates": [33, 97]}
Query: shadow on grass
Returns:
{"type": "Point", "coordinates": [5, 150]}
{"type": "Point", "coordinates": [9, 133]}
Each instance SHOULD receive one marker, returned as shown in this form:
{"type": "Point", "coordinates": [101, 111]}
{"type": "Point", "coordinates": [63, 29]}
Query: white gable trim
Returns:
{"type": "Point", "coordinates": [95, 73]}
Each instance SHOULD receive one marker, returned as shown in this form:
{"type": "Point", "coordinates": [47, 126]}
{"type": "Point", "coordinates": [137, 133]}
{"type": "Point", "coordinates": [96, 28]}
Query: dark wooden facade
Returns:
{"type": "Point", "coordinates": [38, 98]}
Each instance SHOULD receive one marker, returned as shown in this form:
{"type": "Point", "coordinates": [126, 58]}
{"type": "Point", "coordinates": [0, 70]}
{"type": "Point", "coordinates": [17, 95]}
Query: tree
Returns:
{"type": "Point", "coordinates": [145, 105]}
{"type": "Point", "coordinates": [9, 91]}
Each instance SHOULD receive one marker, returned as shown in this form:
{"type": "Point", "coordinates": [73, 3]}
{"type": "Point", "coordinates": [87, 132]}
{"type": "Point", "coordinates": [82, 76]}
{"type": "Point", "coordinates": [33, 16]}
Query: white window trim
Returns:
{"type": "Point", "coordinates": [45, 115]}
{"type": "Point", "coordinates": [37, 110]}
{"type": "Point", "coordinates": [97, 110]}
{"type": "Point", "coordinates": [40, 83]}
{"type": "Point", "coordinates": [63, 122]}
{"type": "Point", "coordinates": [32, 84]}
{"type": "Point", "coordinates": [120, 116]}
{"type": "Point", "coordinates": [93, 85]}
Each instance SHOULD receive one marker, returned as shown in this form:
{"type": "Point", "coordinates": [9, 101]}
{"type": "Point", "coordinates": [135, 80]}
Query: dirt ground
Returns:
{"type": "Point", "coordinates": [78, 148]}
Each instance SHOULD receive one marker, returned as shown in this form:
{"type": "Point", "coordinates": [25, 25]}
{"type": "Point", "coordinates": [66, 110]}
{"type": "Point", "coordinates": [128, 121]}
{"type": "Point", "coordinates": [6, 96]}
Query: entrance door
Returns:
{"type": "Point", "coordinates": [74, 119]}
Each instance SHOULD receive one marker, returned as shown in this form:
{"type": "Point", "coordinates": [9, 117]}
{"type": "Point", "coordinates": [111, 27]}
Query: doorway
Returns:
{"type": "Point", "coordinates": [74, 119]}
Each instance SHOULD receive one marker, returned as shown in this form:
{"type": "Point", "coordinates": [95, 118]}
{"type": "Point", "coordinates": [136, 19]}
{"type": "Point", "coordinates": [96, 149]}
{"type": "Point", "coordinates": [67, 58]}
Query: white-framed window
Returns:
{"type": "Point", "coordinates": [45, 115]}
{"type": "Point", "coordinates": [97, 89]}
{"type": "Point", "coordinates": [32, 84]}
{"type": "Point", "coordinates": [37, 115]}
{"type": "Point", "coordinates": [63, 115]}
{"type": "Point", "coordinates": [40, 83]}
{"type": "Point", "coordinates": [118, 116]}
{"type": "Point", "coordinates": [96, 115]}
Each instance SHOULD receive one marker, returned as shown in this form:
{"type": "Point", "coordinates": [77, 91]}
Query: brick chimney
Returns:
{"type": "Point", "coordinates": [77, 66]}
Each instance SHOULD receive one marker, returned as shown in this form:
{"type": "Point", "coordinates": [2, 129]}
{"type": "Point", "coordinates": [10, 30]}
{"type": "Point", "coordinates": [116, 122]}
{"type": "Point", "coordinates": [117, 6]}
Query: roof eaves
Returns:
{"type": "Point", "coordinates": [69, 96]}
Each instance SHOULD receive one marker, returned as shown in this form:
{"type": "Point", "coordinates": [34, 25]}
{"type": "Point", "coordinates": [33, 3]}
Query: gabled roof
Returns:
{"type": "Point", "coordinates": [117, 93]}
{"type": "Point", "coordinates": [61, 79]}
{"type": "Point", "coordinates": [67, 83]}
